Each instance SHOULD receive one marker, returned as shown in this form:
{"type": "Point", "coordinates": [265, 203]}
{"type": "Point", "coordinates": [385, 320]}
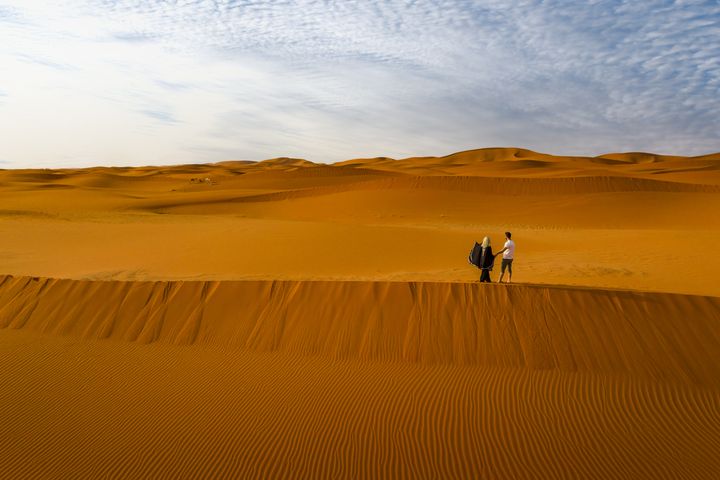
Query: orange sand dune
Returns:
{"type": "Point", "coordinates": [518, 326]}
{"type": "Point", "coordinates": [291, 319]}
{"type": "Point", "coordinates": [616, 221]}
{"type": "Point", "coordinates": [515, 161]}
{"type": "Point", "coordinates": [356, 379]}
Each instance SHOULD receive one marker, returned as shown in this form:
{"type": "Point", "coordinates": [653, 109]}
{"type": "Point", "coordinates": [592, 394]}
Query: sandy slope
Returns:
{"type": "Point", "coordinates": [518, 326]}
{"type": "Point", "coordinates": [284, 318]}
{"type": "Point", "coordinates": [356, 379]}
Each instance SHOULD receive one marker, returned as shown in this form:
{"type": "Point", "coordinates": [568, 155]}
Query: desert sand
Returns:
{"type": "Point", "coordinates": [290, 319]}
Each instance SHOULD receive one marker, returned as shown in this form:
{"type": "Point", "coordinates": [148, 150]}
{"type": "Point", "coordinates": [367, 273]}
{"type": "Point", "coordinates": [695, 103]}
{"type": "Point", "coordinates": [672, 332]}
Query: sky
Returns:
{"type": "Point", "coordinates": [140, 82]}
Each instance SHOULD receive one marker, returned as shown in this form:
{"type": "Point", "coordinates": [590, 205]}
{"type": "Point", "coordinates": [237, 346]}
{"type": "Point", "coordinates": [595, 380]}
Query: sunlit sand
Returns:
{"type": "Point", "coordinates": [286, 318]}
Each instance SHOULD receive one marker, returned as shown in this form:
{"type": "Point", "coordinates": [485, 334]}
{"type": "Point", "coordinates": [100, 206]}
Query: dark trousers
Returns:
{"type": "Point", "coordinates": [485, 275]}
{"type": "Point", "coordinates": [507, 263]}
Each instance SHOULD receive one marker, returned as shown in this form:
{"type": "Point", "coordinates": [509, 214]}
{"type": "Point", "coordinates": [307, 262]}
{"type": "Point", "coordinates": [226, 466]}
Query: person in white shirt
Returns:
{"type": "Point", "coordinates": [508, 253]}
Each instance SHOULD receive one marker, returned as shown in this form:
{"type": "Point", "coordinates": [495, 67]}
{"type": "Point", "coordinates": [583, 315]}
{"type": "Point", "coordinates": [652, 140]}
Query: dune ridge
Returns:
{"type": "Point", "coordinates": [462, 158]}
{"type": "Point", "coordinates": [656, 335]}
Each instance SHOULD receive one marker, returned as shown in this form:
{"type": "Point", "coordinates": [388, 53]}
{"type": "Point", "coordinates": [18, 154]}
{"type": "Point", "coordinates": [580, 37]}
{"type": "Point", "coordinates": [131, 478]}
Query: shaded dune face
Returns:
{"type": "Point", "coordinates": [662, 336]}
{"type": "Point", "coordinates": [488, 186]}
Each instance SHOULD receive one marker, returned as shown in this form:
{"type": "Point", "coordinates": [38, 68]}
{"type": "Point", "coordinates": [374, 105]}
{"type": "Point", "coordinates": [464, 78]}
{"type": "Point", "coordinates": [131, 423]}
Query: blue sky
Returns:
{"type": "Point", "coordinates": [150, 82]}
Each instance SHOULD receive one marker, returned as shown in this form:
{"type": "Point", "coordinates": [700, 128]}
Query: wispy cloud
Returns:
{"type": "Point", "coordinates": [161, 116]}
{"type": "Point", "coordinates": [39, 60]}
{"type": "Point", "coordinates": [334, 80]}
{"type": "Point", "coordinates": [132, 37]}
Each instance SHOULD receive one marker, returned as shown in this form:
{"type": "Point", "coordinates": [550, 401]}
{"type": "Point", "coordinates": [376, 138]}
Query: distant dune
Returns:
{"type": "Point", "coordinates": [291, 319]}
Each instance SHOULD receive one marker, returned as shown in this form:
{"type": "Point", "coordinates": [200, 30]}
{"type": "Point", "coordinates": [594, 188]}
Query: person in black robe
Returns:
{"type": "Point", "coordinates": [487, 260]}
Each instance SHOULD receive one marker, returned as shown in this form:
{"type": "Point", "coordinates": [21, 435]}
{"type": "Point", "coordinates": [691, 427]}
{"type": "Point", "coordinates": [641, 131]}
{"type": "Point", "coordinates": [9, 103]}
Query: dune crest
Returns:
{"type": "Point", "coordinates": [662, 336]}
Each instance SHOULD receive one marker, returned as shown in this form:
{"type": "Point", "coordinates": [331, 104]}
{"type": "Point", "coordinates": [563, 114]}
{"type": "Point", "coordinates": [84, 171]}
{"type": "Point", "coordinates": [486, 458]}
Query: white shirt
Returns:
{"type": "Point", "coordinates": [509, 250]}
